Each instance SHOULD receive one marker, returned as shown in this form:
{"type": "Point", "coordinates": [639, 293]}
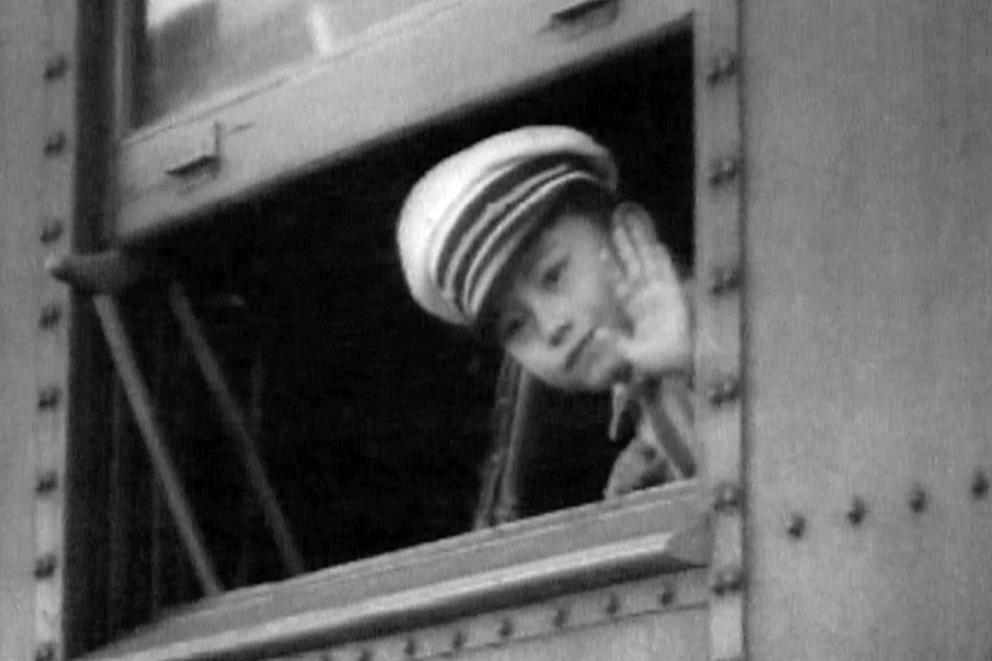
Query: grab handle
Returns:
{"type": "Point", "coordinates": [583, 17]}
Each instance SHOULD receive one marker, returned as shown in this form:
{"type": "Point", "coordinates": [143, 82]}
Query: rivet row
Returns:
{"type": "Point", "coordinates": [857, 510]}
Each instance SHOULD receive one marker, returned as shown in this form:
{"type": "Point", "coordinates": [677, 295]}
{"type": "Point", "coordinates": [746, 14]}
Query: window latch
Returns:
{"type": "Point", "coordinates": [199, 154]}
{"type": "Point", "coordinates": [582, 17]}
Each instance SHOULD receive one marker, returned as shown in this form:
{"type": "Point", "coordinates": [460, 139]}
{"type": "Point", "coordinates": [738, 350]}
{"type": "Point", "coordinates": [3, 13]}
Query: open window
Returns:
{"type": "Point", "coordinates": [374, 422]}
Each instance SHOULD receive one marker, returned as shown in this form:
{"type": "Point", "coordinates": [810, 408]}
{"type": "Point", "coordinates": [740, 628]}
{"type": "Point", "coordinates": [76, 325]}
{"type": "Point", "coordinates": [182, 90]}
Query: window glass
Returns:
{"type": "Point", "coordinates": [190, 49]}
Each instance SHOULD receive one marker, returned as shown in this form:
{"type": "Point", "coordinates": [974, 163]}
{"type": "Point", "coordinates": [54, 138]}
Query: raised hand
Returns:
{"type": "Point", "coordinates": [660, 339]}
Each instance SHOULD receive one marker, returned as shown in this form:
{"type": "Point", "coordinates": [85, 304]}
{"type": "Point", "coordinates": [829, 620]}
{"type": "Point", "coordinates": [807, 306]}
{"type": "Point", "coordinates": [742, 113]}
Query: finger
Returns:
{"type": "Point", "coordinates": [611, 265]}
{"type": "Point", "coordinates": [655, 260]}
{"type": "Point", "coordinates": [630, 259]}
{"type": "Point", "coordinates": [641, 229]}
{"type": "Point", "coordinates": [660, 264]}
{"type": "Point", "coordinates": [616, 278]}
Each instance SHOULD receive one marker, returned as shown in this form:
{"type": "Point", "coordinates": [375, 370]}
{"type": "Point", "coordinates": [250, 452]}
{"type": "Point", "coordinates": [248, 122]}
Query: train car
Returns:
{"type": "Point", "coordinates": [226, 432]}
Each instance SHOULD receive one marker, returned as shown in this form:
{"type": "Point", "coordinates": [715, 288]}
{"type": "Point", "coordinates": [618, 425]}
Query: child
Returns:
{"type": "Point", "coordinates": [524, 239]}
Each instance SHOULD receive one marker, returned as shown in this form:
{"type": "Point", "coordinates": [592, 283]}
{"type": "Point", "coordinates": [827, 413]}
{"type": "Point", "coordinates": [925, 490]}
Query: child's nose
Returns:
{"type": "Point", "coordinates": [555, 327]}
{"type": "Point", "coordinates": [558, 333]}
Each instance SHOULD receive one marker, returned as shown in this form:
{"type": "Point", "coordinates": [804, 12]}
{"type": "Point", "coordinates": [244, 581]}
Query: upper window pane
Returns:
{"type": "Point", "coordinates": [190, 49]}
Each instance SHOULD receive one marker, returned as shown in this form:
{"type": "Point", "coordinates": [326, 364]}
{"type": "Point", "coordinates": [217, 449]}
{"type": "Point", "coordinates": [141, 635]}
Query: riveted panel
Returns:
{"type": "Point", "coordinates": [22, 58]}
{"type": "Point", "coordinates": [869, 282]}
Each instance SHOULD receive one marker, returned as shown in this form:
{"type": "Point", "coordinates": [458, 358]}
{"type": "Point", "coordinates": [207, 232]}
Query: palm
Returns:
{"type": "Point", "coordinates": [659, 341]}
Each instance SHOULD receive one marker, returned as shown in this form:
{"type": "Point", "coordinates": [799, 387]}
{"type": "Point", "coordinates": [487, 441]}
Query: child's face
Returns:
{"type": "Point", "coordinates": [560, 291]}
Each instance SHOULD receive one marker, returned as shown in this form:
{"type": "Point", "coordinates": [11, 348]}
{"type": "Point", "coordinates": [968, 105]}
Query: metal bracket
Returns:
{"type": "Point", "coordinates": [583, 17]}
{"type": "Point", "coordinates": [201, 154]}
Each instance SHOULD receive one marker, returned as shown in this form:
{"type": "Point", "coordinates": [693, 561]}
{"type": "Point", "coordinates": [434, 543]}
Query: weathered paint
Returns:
{"type": "Point", "coordinates": [869, 317]}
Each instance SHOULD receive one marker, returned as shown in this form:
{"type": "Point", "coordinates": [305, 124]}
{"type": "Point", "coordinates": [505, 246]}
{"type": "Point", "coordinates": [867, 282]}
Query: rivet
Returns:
{"type": "Point", "coordinates": [44, 567]}
{"type": "Point", "coordinates": [726, 496]}
{"type": "Point", "coordinates": [727, 579]}
{"type": "Point", "coordinates": [52, 230]}
{"type": "Point", "coordinates": [47, 482]}
{"type": "Point", "coordinates": [560, 618]}
{"type": "Point", "coordinates": [45, 652]}
{"type": "Point", "coordinates": [56, 67]}
{"type": "Point", "coordinates": [667, 595]}
{"type": "Point", "coordinates": [724, 170]}
{"type": "Point", "coordinates": [410, 646]}
{"type": "Point", "coordinates": [51, 314]}
{"type": "Point", "coordinates": [55, 143]}
{"type": "Point", "coordinates": [722, 389]}
{"type": "Point", "coordinates": [505, 628]}
{"type": "Point", "coordinates": [723, 280]}
{"type": "Point", "coordinates": [365, 655]}
{"type": "Point", "coordinates": [612, 604]}
{"type": "Point", "coordinates": [858, 511]}
{"type": "Point", "coordinates": [49, 397]}
{"type": "Point", "coordinates": [797, 525]}
{"type": "Point", "coordinates": [917, 499]}
{"type": "Point", "coordinates": [722, 66]}
{"type": "Point", "coordinates": [458, 640]}
{"type": "Point", "coordinates": [979, 484]}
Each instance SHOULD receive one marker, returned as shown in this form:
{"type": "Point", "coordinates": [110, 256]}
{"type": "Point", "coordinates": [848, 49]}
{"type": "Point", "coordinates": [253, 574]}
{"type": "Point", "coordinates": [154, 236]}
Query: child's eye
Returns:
{"type": "Point", "coordinates": [510, 328]}
{"type": "Point", "coordinates": [552, 275]}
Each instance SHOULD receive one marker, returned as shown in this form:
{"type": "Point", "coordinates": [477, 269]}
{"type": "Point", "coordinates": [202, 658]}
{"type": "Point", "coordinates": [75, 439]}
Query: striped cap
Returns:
{"type": "Point", "coordinates": [463, 220]}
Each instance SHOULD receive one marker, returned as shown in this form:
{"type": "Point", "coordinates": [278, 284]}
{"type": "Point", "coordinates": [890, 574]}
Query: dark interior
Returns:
{"type": "Point", "coordinates": [374, 421]}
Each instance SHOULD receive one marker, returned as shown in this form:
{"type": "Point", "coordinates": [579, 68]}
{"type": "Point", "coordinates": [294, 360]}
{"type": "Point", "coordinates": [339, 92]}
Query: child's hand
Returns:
{"type": "Point", "coordinates": [660, 340]}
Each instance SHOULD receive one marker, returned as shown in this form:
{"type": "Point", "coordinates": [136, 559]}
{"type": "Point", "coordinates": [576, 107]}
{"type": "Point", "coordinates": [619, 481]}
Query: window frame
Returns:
{"type": "Point", "coordinates": [274, 129]}
{"type": "Point", "coordinates": [476, 571]}
{"type": "Point", "coordinates": [659, 531]}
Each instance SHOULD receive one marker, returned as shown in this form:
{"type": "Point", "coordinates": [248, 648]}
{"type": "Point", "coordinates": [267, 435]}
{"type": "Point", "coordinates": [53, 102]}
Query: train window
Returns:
{"type": "Point", "coordinates": [374, 423]}
{"type": "Point", "coordinates": [190, 49]}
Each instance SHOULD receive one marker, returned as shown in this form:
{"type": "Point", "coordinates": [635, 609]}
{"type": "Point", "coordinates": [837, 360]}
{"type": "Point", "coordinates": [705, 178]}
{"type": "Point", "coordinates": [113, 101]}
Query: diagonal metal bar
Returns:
{"type": "Point", "coordinates": [137, 393]}
{"type": "Point", "coordinates": [234, 420]}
